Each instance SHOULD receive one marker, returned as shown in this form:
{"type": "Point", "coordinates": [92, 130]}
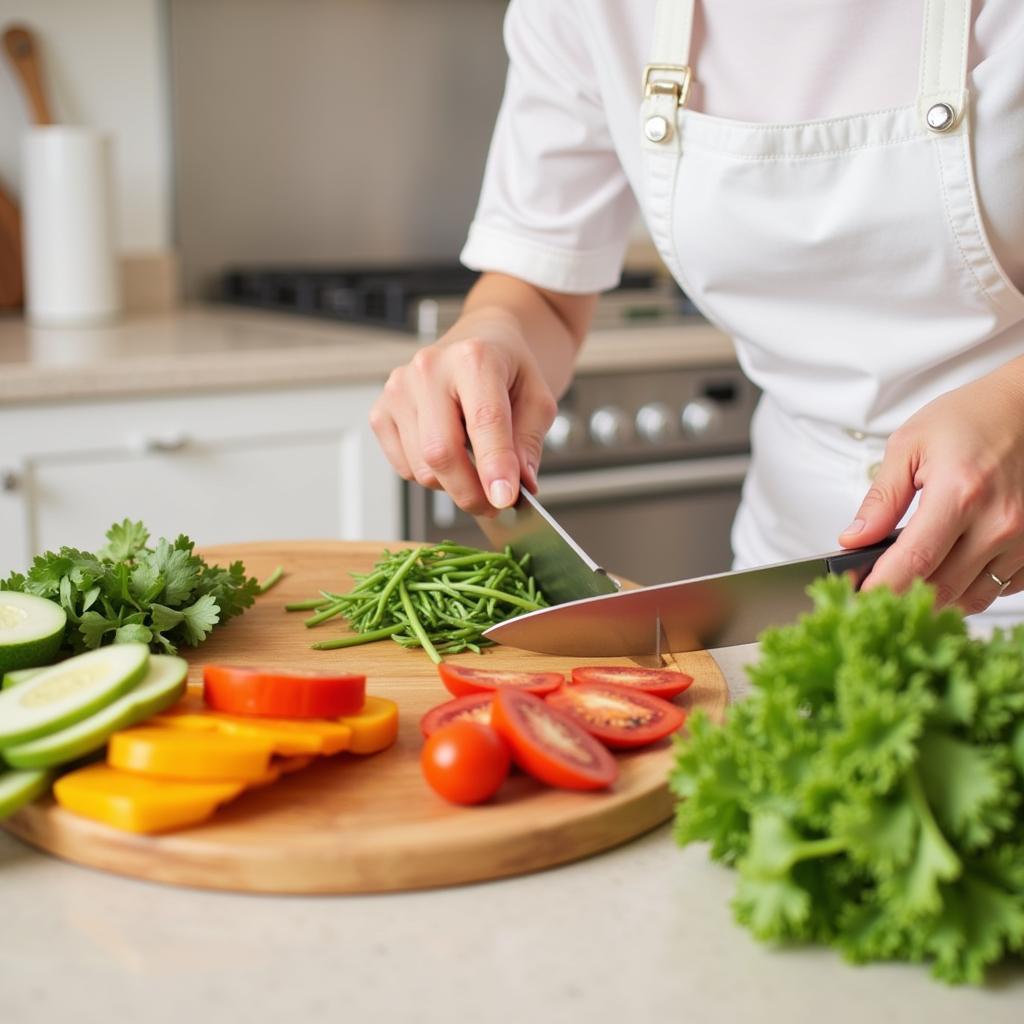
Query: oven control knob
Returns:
{"type": "Point", "coordinates": [701, 417]}
{"type": "Point", "coordinates": [565, 433]}
{"type": "Point", "coordinates": [610, 427]}
{"type": "Point", "coordinates": [655, 422]}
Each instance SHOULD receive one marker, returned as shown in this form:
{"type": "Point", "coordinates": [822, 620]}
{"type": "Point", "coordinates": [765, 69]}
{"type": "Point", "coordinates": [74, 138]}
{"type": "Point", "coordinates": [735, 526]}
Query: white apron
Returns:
{"type": "Point", "coordinates": [848, 259]}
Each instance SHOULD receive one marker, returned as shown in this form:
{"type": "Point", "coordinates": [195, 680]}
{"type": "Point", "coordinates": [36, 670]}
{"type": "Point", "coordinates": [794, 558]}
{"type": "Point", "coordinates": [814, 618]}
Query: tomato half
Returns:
{"type": "Point", "coordinates": [660, 681]}
{"type": "Point", "coordinates": [465, 762]}
{"type": "Point", "coordinates": [618, 716]}
{"type": "Point", "coordinates": [476, 707]}
{"type": "Point", "coordinates": [461, 680]}
{"type": "Point", "coordinates": [551, 746]}
{"type": "Point", "coordinates": [272, 694]}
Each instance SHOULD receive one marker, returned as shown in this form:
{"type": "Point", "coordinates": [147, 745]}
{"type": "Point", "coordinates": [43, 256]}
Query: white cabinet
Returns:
{"type": "Point", "coordinates": [245, 465]}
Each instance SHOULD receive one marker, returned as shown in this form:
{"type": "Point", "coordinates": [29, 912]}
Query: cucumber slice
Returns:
{"type": "Point", "coordinates": [19, 675]}
{"type": "Point", "coordinates": [163, 686]}
{"type": "Point", "coordinates": [31, 630]}
{"type": "Point", "coordinates": [70, 691]}
{"type": "Point", "coordinates": [19, 788]}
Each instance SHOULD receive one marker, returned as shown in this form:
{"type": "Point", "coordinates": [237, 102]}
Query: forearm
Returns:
{"type": "Point", "coordinates": [551, 325]}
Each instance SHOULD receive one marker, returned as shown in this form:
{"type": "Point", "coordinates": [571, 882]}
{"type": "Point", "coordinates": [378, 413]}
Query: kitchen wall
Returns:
{"type": "Point", "coordinates": [104, 66]}
{"type": "Point", "coordinates": [328, 130]}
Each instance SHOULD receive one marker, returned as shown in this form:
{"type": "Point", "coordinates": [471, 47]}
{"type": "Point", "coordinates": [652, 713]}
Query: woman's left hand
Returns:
{"type": "Point", "coordinates": [964, 452]}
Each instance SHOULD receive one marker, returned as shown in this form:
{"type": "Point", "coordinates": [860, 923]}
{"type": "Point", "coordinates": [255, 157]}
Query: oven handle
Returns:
{"type": "Point", "coordinates": [594, 485]}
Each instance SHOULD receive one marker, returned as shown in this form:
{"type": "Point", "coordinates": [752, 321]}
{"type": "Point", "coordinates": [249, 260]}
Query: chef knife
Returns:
{"type": "Point", "coordinates": [591, 618]}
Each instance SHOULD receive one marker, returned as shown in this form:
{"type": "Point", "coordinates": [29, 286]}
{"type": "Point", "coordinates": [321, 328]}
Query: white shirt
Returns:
{"type": "Point", "coordinates": [557, 201]}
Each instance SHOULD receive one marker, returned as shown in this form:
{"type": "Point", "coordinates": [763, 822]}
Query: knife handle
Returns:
{"type": "Point", "coordinates": [859, 561]}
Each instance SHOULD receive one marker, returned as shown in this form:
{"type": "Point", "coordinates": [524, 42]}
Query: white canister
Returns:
{"type": "Point", "coordinates": [72, 274]}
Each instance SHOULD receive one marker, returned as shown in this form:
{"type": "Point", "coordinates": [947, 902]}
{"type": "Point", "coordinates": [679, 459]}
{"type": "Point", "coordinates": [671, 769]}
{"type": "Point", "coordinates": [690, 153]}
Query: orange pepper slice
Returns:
{"type": "Point", "coordinates": [134, 803]}
{"type": "Point", "coordinates": [177, 754]}
{"type": "Point", "coordinates": [374, 728]}
{"type": "Point", "coordinates": [290, 737]}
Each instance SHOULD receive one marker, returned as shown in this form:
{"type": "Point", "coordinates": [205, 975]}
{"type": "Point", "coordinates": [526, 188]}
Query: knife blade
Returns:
{"type": "Point", "coordinates": [712, 611]}
{"type": "Point", "coordinates": [564, 571]}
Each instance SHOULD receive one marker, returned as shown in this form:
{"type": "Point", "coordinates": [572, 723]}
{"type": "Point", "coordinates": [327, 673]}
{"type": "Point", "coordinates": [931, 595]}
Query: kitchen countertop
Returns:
{"type": "Point", "coordinates": [224, 348]}
{"type": "Point", "coordinates": [641, 933]}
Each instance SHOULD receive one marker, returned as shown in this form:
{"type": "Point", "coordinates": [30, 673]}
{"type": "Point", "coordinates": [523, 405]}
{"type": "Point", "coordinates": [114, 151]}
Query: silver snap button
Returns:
{"type": "Point", "coordinates": [657, 128]}
{"type": "Point", "coordinates": [857, 435]}
{"type": "Point", "coordinates": [873, 470]}
{"type": "Point", "coordinates": [940, 117]}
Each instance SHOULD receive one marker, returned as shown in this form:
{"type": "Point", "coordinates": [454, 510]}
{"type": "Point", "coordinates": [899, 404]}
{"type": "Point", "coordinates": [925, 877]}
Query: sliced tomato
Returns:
{"type": "Point", "coordinates": [548, 745]}
{"type": "Point", "coordinates": [465, 762]}
{"type": "Point", "coordinates": [475, 707]}
{"type": "Point", "coordinates": [618, 716]}
{"type": "Point", "coordinates": [462, 680]}
{"type": "Point", "coordinates": [273, 694]}
{"type": "Point", "coordinates": [659, 681]}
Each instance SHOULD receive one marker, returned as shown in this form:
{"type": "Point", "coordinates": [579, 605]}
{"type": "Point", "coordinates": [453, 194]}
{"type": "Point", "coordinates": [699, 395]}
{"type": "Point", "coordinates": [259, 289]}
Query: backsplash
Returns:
{"type": "Point", "coordinates": [328, 130]}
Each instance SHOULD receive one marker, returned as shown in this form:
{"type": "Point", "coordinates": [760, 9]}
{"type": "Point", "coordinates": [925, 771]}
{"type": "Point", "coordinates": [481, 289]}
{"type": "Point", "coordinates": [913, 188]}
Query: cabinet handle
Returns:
{"type": "Point", "coordinates": [163, 444]}
{"type": "Point", "coordinates": [10, 480]}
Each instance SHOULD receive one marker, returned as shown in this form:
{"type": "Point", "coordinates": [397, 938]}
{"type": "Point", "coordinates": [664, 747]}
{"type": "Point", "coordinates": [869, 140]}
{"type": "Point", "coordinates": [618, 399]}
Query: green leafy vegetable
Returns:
{"type": "Point", "coordinates": [439, 597]}
{"type": "Point", "coordinates": [164, 596]}
{"type": "Point", "coordinates": [870, 791]}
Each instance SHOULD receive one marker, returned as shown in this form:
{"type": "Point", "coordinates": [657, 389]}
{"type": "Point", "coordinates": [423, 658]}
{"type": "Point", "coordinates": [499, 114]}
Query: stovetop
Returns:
{"type": "Point", "coordinates": [420, 298]}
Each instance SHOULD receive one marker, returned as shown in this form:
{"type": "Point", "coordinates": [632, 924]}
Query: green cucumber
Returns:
{"type": "Point", "coordinates": [18, 675]}
{"type": "Point", "coordinates": [31, 630]}
{"type": "Point", "coordinates": [68, 692]}
{"type": "Point", "coordinates": [163, 686]}
{"type": "Point", "coordinates": [18, 788]}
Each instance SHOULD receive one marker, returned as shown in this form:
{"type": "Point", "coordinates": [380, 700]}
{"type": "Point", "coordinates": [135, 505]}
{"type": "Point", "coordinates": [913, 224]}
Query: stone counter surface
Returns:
{"type": "Point", "coordinates": [218, 348]}
{"type": "Point", "coordinates": [642, 933]}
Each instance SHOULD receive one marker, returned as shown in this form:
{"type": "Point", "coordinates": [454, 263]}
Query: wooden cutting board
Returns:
{"type": "Point", "coordinates": [355, 824]}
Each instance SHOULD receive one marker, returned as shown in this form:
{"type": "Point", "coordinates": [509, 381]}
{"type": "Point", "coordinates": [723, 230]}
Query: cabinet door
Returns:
{"type": "Point", "coordinates": [252, 466]}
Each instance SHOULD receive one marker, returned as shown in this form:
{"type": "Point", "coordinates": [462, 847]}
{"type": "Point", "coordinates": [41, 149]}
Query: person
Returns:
{"type": "Point", "coordinates": [869, 265]}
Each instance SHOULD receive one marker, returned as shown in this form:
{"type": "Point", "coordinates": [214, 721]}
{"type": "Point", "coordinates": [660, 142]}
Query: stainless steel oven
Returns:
{"type": "Point", "coordinates": [643, 468]}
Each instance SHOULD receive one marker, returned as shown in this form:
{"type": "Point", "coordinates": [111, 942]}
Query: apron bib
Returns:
{"type": "Point", "coordinates": [846, 257]}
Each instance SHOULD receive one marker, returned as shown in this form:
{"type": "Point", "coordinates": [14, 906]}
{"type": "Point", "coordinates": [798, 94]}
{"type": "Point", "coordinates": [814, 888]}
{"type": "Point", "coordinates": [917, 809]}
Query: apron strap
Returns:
{"type": "Point", "coordinates": [942, 85]}
{"type": "Point", "coordinates": [668, 72]}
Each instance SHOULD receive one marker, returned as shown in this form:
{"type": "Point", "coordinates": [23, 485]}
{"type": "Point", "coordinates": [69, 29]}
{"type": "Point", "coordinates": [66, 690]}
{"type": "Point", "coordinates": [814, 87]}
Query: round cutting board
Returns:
{"type": "Point", "coordinates": [370, 824]}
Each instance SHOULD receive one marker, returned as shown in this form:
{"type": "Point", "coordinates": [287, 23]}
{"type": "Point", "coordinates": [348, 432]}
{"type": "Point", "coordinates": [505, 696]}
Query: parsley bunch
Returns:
{"type": "Point", "coordinates": [870, 791]}
{"type": "Point", "coordinates": [164, 596]}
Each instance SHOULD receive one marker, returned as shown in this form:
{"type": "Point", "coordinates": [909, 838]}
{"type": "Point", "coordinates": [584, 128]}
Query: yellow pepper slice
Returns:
{"type": "Point", "coordinates": [374, 728]}
{"type": "Point", "coordinates": [179, 754]}
{"type": "Point", "coordinates": [290, 737]}
{"type": "Point", "coordinates": [134, 803]}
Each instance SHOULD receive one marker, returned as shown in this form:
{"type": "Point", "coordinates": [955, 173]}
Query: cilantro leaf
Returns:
{"type": "Point", "coordinates": [124, 541]}
{"type": "Point", "coordinates": [199, 619]}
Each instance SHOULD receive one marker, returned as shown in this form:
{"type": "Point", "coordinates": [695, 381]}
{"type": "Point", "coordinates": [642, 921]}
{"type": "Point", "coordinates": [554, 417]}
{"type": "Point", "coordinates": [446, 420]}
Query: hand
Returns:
{"type": "Point", "coordinates": [964, 452]}
{"type": "Point", "coordinates": [489, 390]}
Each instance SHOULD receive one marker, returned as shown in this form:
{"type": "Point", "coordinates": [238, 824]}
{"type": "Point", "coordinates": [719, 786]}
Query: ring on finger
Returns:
{"type": "Point", "coordinates": [998, 581]}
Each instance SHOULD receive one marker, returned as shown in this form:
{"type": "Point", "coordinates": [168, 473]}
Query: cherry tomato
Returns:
{"type": "Point", "coordinates": [274, 694]}
{"type": "Point", "coordinates": [618, 716]}
{"type": "Point", "coordinates": [465, 762]}
{"type": "Point", "coordinates": [474, 708]}
{"type": "Point", "coordinates": [548, 745]}
{"type": "Point", "coordinates": [661, 682]}
{"type": "Point", "coordinates": [461, 680]}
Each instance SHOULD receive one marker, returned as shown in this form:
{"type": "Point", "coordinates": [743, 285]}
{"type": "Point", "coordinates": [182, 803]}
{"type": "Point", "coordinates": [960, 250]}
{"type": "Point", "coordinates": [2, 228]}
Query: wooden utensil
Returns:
{"type": "Point", "coordinates": [370, 824]}
{"type": "Point", "coordinates": [12, 282]}
{"type": "Point", "coordinates": [23, 53]}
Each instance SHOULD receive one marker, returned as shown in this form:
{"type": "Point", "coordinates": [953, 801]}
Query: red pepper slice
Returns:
{"type": "Point", "coordinates": [271, 693]}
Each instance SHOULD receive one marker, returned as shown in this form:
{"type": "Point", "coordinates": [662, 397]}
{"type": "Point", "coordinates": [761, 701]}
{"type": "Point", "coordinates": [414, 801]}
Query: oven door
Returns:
{"type": "Point", "coordinates": [650, 523]}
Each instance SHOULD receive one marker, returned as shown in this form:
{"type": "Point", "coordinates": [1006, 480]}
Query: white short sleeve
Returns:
{"type": "Point", "coordinates": [555, 208]}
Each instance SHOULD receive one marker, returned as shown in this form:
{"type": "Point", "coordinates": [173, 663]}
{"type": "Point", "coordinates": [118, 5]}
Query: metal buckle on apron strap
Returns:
{"type": "Point", "coordinates": [657, 127]}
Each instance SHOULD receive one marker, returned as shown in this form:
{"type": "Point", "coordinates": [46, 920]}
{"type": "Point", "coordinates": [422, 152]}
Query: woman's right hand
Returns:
{"type": "Point", "coordinates": [482, 383]}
